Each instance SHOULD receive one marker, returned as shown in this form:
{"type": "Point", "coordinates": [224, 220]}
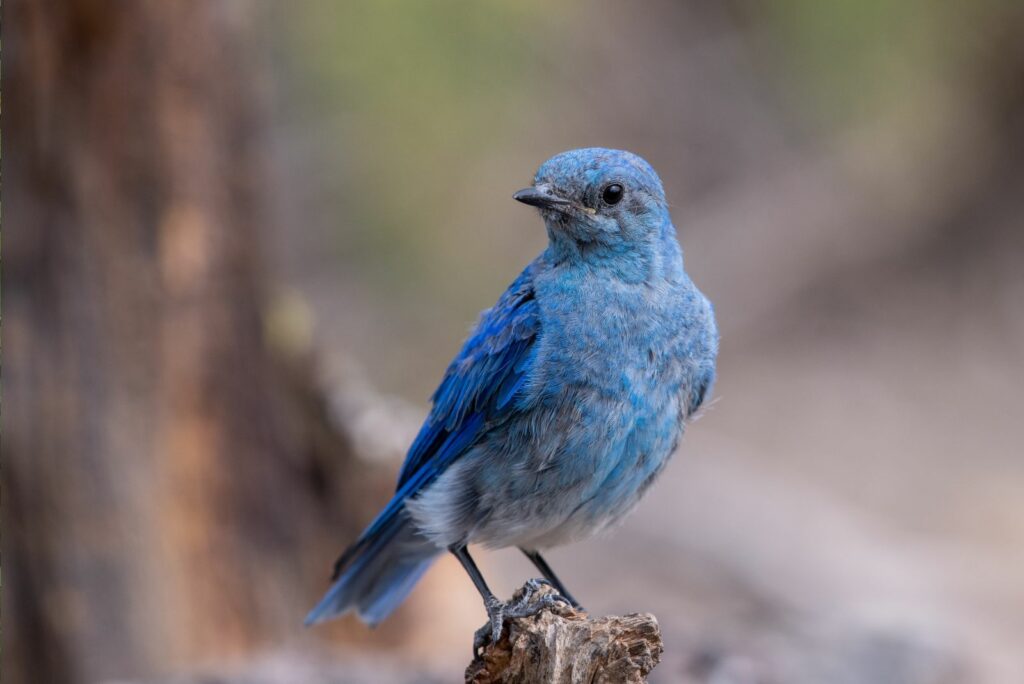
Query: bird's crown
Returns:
{"type": "Point", "coordinates": [573, 171]}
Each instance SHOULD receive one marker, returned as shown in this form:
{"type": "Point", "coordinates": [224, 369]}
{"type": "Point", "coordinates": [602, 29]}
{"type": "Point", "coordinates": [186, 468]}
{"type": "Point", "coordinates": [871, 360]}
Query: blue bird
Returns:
{"type": "Point", "coordinates": [564, 404]}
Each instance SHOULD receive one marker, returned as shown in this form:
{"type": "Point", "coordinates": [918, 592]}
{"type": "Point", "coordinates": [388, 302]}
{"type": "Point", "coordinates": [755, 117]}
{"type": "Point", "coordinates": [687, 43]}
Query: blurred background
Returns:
{"type": "Point", "coordinates": [249, 237]}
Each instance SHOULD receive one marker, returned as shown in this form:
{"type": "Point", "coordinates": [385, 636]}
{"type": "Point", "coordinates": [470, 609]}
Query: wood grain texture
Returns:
{"type": "Point", "coordinates": [565, 646]}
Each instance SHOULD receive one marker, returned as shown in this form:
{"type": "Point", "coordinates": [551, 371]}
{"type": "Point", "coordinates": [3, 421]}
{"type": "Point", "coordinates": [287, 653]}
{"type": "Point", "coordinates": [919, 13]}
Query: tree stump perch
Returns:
{"type": "Point", "coordinates": [561, 645]}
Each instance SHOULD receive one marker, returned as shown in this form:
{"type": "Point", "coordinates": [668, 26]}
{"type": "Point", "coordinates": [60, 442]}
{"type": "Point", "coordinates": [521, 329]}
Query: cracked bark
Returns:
{"type": "Point", "coordinates": [566, 646]}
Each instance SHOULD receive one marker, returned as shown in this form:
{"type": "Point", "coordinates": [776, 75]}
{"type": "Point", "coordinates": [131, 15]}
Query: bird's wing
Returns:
{"type": "Point", "coordinates": [479, 388]}
{"type": "Point", "coordinates": [481, 382]}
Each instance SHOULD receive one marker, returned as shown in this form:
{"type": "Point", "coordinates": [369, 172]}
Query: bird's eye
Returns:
{"type": "Point", "coordinates": [612, 193]}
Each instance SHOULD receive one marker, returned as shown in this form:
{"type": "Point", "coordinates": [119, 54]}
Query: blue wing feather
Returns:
{"type": "Point", "coordinates": [482, 380]}
{"type": "Point", "coordinates": [479, 387]}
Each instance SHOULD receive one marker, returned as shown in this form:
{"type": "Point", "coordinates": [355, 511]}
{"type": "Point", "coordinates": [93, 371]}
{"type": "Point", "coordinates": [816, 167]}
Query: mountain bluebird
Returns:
{"type": "Point", "coordinates": [564, 404]}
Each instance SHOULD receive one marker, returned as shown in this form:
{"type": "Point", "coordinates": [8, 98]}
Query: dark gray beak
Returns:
{"type": "Point", "coordinates": [541, 196]}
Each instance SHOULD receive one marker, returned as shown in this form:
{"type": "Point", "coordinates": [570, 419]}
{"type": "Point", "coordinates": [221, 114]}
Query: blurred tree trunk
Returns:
{"type": "Point", "coordinates": [166, 474]}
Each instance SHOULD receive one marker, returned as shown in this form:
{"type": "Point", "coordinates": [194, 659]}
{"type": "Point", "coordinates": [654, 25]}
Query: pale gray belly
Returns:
{"type": "Point", "coordinates": [555, 475]}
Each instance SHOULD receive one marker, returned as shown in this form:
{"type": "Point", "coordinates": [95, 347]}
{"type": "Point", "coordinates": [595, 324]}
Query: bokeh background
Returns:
{"type": "Point", "coordinates": [249, 236]}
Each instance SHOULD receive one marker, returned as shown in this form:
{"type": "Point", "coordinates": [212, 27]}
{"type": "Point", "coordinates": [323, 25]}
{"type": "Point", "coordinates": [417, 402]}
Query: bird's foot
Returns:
{"type": "Point", "coordinates": [532, 586]}
{"type": "Point", "coordinates": [495, 624]}
{"type": "Point", "coordinates": [527, 604]}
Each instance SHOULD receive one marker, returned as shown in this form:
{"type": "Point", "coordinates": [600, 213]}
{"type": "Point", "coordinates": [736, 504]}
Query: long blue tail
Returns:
{"type": "Point", "coordinates": [377, 572]}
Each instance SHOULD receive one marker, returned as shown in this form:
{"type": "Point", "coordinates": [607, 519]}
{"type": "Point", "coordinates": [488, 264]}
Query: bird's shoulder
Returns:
{"type": "Point", "coordinates": [484, 380]}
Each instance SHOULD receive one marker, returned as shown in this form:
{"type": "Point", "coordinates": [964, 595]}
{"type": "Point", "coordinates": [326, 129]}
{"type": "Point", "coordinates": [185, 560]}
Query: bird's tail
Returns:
{"type": "Point", "coordinates": [377, 572]}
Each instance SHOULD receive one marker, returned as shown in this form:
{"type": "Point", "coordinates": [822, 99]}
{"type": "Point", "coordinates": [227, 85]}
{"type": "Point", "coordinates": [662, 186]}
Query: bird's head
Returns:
{"type": "Point", "coordinates": [598, 199]}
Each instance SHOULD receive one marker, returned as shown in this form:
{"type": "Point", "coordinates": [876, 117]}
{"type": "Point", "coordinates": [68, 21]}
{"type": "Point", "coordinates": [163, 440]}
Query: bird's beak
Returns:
{"type": "Point", "coordinates": [540, 195]}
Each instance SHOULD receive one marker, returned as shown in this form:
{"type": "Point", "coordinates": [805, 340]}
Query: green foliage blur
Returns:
{"type": "Point", "coordinates": [420, 119]}
{"type": "Point", "coordinates": [413, 94]}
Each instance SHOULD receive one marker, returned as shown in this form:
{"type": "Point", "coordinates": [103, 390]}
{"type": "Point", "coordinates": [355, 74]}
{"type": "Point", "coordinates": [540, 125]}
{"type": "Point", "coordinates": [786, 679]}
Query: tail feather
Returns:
{"type": "Point", "coordinates": [378, 577]}
{"type": "Point", "coordinates": [387, 594]}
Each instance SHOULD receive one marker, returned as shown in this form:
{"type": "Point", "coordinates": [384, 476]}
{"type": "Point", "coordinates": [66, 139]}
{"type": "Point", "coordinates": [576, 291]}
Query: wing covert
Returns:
{"type": "Point", "coordinates": [481, 383]}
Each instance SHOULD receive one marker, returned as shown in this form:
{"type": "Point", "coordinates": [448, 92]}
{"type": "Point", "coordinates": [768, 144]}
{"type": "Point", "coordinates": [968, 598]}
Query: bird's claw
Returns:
{"type": "Point", "coordinates": [480, 639]}
{"type": "Point", "coordinates": [496, 612]}
{"type": "Point", "coordinates": [495, 624]}
{"type": "Point", "coordinates": [531, 607]}
{"type": "Point", "coordinates": [532, 586]}
{"type": "Point", "coordinates": [526, 605]}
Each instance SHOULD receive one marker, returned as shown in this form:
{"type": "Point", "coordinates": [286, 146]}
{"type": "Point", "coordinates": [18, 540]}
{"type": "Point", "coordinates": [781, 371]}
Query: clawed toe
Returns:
{"type": "Point", "coordinates": [531, 588]}
{"type": "Point", "coordinates": [481, 637]}
{"type": "Point", "coordinates": [531, 606]}
{"type": "Point", "coordinates": [527, 604]}
{"type": "Point", "coordinates": [496, 613]}
{"type": "Point", "coordinates": [533, 585]}
{"type": "Point", "coordinates": [527, 593]}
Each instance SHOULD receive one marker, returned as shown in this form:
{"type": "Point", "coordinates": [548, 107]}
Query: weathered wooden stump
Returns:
{"type": "Point", "coordinates": [565, 646]}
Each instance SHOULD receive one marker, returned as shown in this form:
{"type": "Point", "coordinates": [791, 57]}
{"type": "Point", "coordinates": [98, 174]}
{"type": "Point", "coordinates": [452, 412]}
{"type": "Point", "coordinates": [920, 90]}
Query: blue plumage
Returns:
{"type": "Point", "coordinates": [564, 403]}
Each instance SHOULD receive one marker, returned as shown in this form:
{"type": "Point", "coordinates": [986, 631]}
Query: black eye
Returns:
{"type": "Point", "coordinates": [612, 194]}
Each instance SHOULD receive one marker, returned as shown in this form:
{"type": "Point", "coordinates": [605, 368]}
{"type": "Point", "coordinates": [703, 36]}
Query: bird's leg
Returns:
{"type": "Point", "coordinates": [495, 608]}
{"type": "Point", "coordinates": [527, 604]}
{"type": "Point", "coordinates": [498, 611]}
{"type": "Point", "coordinates": [550, 576]}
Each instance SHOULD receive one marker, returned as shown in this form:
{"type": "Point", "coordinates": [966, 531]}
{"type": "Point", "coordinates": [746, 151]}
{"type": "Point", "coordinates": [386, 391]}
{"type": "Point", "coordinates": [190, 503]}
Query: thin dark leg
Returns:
{"type": "Point", "coordinates": [495, 608]}
{"type": "Point", "coordinates": [497, 611]}
{"type": "Point", "coordinates": [550, 576]}
{"type": "Point", "coordinates": [462, 553]}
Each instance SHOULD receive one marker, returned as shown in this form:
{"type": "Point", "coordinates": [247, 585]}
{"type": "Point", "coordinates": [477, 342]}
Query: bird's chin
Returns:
{"type": "Point", "coordinates": [555, 215]}
{"type": "Point", "coordinates": [561, 222]}
{"type": "Point", "coordinates": [566, 213]}
{"type": "Point", "coordinates": [564, 227]}
{"type": "Point", "coordinates": [572, 219]}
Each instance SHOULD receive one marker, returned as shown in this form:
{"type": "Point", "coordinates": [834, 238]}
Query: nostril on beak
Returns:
{"type": "Point", "coordinates": [540, 195]}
